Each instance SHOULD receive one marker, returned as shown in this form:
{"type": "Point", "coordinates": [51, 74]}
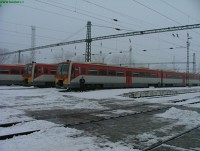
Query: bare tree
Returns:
{"type": "Point", "coordinates": [3, 58]}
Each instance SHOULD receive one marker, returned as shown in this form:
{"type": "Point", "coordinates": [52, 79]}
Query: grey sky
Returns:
{"type": "Point", "coordinates": [57, 21]}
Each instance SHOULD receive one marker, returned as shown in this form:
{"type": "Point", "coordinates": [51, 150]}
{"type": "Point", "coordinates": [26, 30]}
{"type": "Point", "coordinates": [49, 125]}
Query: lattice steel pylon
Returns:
{"type": "Point", "coordinates": [33, 43]}
{"type": "Point", "coordinates": [88, 43]}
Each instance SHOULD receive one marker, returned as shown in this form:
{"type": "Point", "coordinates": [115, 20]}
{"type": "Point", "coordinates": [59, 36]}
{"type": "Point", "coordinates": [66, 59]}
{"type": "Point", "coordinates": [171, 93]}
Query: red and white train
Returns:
{"type": "Point", "coordinates": [106, 76]}
{"type": "Point", "coordinates": [40, 75]}
{"type": "Point", "coordinates": [11, 74]}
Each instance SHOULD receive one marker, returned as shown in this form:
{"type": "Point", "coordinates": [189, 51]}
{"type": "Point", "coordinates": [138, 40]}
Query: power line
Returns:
{"type": "Point", "coordinates": [179, 10]}
{"type": "Point", "coordinates": [119, 13]}
{"type": "Point", "coordinates": [71, 10]}
{"type": "Point", "coordinates": [17, 32]}
{"type": "Point", "coordinates": [153, 31]}
{"type": "Point", "coordinates": [50, 29]}
{"type": "Point", "coordinates": [160, 13]}
{"type": "Point", "coordinates": [156, 12]}
{"type": "Point", "coordinates": [74, 34]}
{"type": "Point", "coordinates": [47, 11]}
{"type": "Point", "coordinates": [127, 16]}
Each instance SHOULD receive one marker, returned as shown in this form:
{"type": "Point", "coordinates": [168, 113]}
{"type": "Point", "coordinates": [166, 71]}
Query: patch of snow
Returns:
{"type": "Point", "coordinates": [60, 139]}
{"type": "Point", "coordinates": [9, 115]}
{"type": "Point", "coordinates": [88, 105]}
{"type": "Point", "coordinates": [27, 126]}
{"type": "Point", "coordinates": [122, 111]}
{"type": "Point", "coordinates": [183, 117]}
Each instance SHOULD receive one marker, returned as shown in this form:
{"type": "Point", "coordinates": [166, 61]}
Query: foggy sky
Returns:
{"type": "Point", "coordinates": [66, 20]}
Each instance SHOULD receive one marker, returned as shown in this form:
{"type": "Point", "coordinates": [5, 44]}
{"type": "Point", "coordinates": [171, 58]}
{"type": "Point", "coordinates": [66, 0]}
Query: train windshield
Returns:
{"type": "Point", "coordinates": [63, 69]}
{"type": "Point", "coordinates": [28, 69]}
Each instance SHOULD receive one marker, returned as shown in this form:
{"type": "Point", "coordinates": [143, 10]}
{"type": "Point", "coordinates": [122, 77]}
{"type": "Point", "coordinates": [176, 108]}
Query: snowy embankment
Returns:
{"type": "Point", "coordinates": [15, 102]}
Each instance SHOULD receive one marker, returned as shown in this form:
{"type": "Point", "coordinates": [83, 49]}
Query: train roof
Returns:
{"type": "Point", "coordinates": [12, 65]}
{"type": "Point", "coordinates": [112, 65]}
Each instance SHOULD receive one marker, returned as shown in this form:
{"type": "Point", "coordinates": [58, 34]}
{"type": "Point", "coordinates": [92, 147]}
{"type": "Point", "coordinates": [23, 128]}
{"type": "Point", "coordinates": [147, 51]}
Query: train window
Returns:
{"type": "Point", "coordinates": [45, 71]}
{"type": "Point", "coordinates": [52, 71]}
{"type": "Point", "coordinates": [76, 70]}
{"type": "Point", "coordinates": [173, 76]}
{"type": "Point", "coordinates": [83, 71]}
{"type": "Point", "coordinates": [4, 71]}
{"type": "Point", "coordinates": [102, 72]}
{"type": "Point", "coordinates": [112, 72]}
{"type": "Point", "coordinates": [39, 70]}
{"type": "Point", "coordinates": [14, 71]}
{"type": "Point", "coordinates": [151, 75]}
{"type": "Point", "coordinates": [92, 72]}
{"type": "Point", "coordinates": [141, 74]}
{"type": "Point", "coordinates": [135, 74]}
{"type": "Point", "coordinates": [120, 73]}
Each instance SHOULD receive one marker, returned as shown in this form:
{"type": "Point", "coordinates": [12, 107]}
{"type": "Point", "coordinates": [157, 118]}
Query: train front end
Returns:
{"type": "Point", "coordinates": [28, 74]}
{"type": "Point", "coordinates": [62, 79]}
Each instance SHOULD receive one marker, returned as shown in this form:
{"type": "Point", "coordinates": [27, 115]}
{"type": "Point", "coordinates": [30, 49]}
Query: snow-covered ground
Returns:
{"type": "Point", "coordinates": [15, 101]}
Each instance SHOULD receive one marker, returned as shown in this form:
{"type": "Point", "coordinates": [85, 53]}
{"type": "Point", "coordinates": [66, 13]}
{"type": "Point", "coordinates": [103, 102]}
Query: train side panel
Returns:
{"type": "Point", "coordinates": [11, 79]}
{"type": "Point", "coordinates": [11, 74]}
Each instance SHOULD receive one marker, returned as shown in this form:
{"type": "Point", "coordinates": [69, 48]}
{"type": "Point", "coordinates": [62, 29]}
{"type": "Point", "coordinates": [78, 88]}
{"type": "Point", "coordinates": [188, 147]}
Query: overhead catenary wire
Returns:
{"type": "Point", "coordinates": [44, 28]}
{"type": "Point", "coordinates": [127, 16]}
{"type": "Point", "coordinates": [17, 32]}
{"type": "Point", "coordinates": [177, 9]}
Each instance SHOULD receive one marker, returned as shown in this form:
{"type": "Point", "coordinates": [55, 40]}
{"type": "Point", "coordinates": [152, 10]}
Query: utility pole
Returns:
{"type": "Point", "coordinates": [19, 57]}
{"type": "Point", "coordinates": [33, 42]}
{"type": "Point", "coordinates": [188, 57]}
{"type": "Point", "coordinates": [194, 63]}
{"type": "Point", "coordinates": [88, 43]}
{"type": "Point", "coordinates": [130, 55]}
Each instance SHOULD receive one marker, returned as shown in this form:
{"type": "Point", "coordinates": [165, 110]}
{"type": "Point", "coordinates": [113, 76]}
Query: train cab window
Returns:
{"type": "Point", "coordinates": [92, 72]}
{"type": "Point", "coordinates": [120, 73]}
{"type": "Point", "coordinates": [83, 71]}
{"type": "Point", "coordinates": [45, 71]}
{"type": "Point", "coordinates": [14, 71]}
{"type": "Point", "coordinates": [4, 71]}
{"type": "Point", "coordinates": [28, 69]}
{"type": "Point", "coordinates": [59, 69]}
{"type": "Point", "coordinates": [112, 72]}
{"type": "Point", "coordinates": [102, 72]}
{"type": "Point", "coordinates": [65, 68]}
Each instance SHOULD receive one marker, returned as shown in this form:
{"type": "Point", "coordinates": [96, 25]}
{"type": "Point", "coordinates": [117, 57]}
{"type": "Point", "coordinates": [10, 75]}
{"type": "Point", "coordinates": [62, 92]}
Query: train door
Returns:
{"type": "Point", "coordinates": [33, 72]}
{"type": "Point", "coordinates": [184, 80]}
{"type": "Point", "coordinates": [128, 79]}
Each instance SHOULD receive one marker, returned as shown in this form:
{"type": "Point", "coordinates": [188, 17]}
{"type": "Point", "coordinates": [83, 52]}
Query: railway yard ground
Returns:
{"type": "Point", "coordinates": [157, 119]}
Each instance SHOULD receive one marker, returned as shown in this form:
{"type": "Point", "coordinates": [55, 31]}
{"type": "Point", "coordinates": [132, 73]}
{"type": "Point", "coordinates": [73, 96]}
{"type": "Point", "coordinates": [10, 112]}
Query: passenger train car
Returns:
{"type": "Point", "coordinates": [11, 74]}
{"type": "Point", "coordinates": [106, 76]}
{"type": "Point", "coordinates": [40, 75]}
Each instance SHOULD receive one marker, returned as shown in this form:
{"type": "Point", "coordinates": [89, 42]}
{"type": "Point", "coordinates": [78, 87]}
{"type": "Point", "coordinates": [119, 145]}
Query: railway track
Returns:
{"type": "Point", "coordinates": [94, 121]}
{"type": "Point", "coordinates": [158, 144]}
{"type": "Point", "coordinates": [100, 119]}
